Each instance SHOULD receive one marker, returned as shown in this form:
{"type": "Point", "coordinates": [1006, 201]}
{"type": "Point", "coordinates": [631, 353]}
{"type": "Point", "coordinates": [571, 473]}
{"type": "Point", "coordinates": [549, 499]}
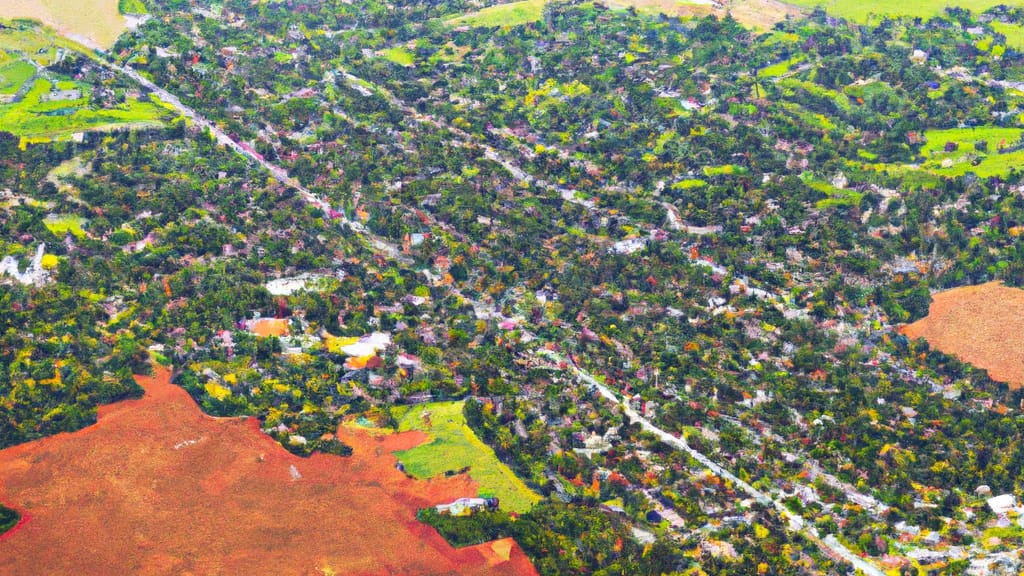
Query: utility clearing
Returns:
{"type": "Point", "coordinates": [982, 325]}
{"type": "Point", "coordinates": [158, 487]}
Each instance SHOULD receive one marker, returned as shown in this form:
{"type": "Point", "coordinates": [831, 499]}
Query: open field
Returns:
{"type": "Point", "coordinates": [37, 119]}
{"type": "Point", "coordinates": [453, 445]}
{"type": "Point", "coordinates": [864, 10]}
{"type": "Point", "coordinates": [97, 21]}
{"type": "Point", "coordinates": [511, 14]}
{"type": "Point", "coordinates": [158, 487]}
{"type": "Point", "coordinates": [399, 55]}
{"type": "Point", "coordinates": [63, 224]}
{"type": "Point", "coordinates": [959, 162]}
{"type": "Point", "coordinates": [14, 74]}
{"type": "Point", "coordinates": [983, 325]}
{"type": "Point", "coordinates": [1014, 33]}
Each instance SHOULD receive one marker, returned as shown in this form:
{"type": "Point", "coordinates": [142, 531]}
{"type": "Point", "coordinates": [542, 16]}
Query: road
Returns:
{"type": "Point", "coordinates": [796, 523]}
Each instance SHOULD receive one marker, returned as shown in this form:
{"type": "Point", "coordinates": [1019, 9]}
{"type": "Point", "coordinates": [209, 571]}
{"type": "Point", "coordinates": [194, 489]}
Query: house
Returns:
{"type": "Point", "coordinates": [467, 506]}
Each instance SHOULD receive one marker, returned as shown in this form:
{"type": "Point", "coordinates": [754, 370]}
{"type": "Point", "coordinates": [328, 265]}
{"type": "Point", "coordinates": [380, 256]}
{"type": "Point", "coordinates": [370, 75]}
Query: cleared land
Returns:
{"type": "Point", "coordinates": [38, 117]}
{"type": "Point", "coordinates": [965, 158]}
{"type": "Point", "coordinates": [97, 21]}
{"type": "Point", "coordinates": [453, 446]}
{"type": "Point", "coordinates": [511, 14]}
{"type": "Point", "coordinates": [399, 55]}
{"type": "Point", "coordinates": [157, 487]}
{"type": "Point", "coordinates": [62, 224]}
{"type": "Point", "coordinates": [983, 325]}
{"type": "Point", "coordinates": [868, 10]}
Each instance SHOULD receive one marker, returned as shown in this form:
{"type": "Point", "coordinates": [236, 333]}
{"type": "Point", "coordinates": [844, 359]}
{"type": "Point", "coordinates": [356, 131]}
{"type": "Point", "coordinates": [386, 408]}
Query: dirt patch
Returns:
{"type": "Point", "coordinates": [758, 14]}
{"type": "Point", "coordinates": [158, 487]}
{"type": "Point", "coordinates": [983, 325]}
{"type": "Point", "coordinates": [98, 21]}
{"type": "Point", "coordinates": [270, 327]}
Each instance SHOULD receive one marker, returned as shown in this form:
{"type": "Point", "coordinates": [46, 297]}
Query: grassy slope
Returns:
{"type": "Point", "coordinates": [399, 55]}
{"type": "Point", "coordinates": [1014, 34]}
{"type": "Point", "coordinates": [454, 446]}
{"type": "Point", "coordinates": [511, 14]}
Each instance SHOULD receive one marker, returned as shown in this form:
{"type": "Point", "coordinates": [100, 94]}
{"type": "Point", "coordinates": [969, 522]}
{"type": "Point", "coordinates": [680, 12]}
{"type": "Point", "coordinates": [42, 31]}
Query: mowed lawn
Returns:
{"type": "Point", "coordinates": [863, 10]}
{"type": "Point", "coordinates": [454, 446]}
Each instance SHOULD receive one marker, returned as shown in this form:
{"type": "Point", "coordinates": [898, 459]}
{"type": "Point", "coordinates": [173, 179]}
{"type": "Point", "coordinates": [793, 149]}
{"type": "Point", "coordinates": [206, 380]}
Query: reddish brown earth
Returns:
{"type": "Point", "coordinates": [158, 487]}
{"type": "Point", "coordinates": [983, 325]}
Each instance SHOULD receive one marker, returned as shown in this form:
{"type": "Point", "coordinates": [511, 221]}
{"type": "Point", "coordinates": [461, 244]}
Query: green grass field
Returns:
{"type": "Point", "coordinates": [989, 163]}
{"type": "Point", "coordinates": [399, 55]}
{"type": "Point", "coordinates": [868, 10]}
{"type": "Point", "coordinates": [511, 14]}
{"type": "Point", "coordinates": [14, 74]}
{"type": "Point", "coordinates": [38, 120]}
{"type": "Point", "coordinates": [131, 7]}
{"type": "Point", "coordinates": [1014, 33]}
{"type": "Point", "coordinates": [779, 68]}
{"type": "Point", "coordinates": [61, 224]}
{"type": "Point", "coordinates": [454, 446]}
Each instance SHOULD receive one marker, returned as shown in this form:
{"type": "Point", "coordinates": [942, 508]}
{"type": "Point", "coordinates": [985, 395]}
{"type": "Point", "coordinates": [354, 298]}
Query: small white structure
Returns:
{"type": "Point", "coordinates": [1002, 504]}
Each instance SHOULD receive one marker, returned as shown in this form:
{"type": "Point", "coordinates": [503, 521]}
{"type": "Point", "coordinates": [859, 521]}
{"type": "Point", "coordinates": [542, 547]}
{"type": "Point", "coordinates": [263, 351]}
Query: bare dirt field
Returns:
{"type": "Point", "coordinates": [983, 325]}
{"type": "Point", "coordinates": [759, 14]}
{"type": "Point", "coordinates": [95, 20]}
{"type": "Point", "coordinates": [158, 487]}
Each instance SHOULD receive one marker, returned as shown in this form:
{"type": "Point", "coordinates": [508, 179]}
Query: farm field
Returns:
{"type": "Point", "coordinates": [157, 487]}
{"type": "Point", "coordinates": [957, 162]}
{"type": "Point", "coordinates": [97, 22]}
{"type": "Point", "coordinates": [978, 324]}
{"type": "Point", "coordinates": [864, 10]}
{"type": "Point", "coordinates": [452, 446]}
{"type": "Point", "coordinates": [37, 119]}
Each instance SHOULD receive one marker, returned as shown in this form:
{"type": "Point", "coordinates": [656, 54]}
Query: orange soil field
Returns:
{"type": "Point", "coordinates": [158, 487]}
{"type": "Point", "coordinates": [270, 327]}
{"type": "Point", "coordinates": [983, 325]}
